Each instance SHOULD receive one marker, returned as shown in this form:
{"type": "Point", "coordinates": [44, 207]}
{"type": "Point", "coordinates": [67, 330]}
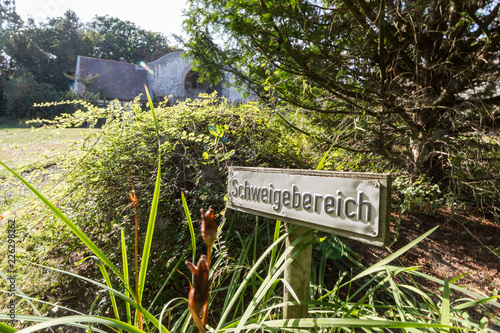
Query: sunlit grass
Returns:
{"type": "Point", "coordinates": [31, 151]}
{"type": "Point", "coordinates": [21, 147]}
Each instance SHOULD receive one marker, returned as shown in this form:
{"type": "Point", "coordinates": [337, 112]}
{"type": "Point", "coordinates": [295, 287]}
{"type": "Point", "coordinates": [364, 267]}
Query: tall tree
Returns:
{"type": "Point", "coordinates": [9, 21]}
{"type": "Point", "coordinates": [113, 39]}
{"type": "Point", "coordinates": [49, 50]}
{"type": "Point", "coordinates": [410, 80]}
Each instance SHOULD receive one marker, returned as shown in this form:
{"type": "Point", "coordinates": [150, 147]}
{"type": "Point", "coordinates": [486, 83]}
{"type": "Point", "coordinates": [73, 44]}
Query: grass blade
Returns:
{"type": "Point", "coordinates": [430, 303]}
{"type": "Point", "coordinates": [21, 294]}
{"type": "Point", "coordinates": [39, 319]}
{"type": "Point", "coordinates": [344, 323]}
{"type": "Point", "coordinates": [232, 296]}
{"type": "Point", "coordinates": [190, 226]}
{"type": "Point", "coordinates": [149, 235]}
{"type": "Point", "coordinates": [125, 275]}
{"type": "Point", "coordinates": [166, 307]}
{"type": "Point", "coordinates": [474, 303]}
{"type": "Point", "coordinates": [397, 298]}
{"type": "Point", "coordinates": [380, 265]}
{"type": "Point", "coordinates": [92, 247]}
{"type": "Point", "coordinates": [282, 263]}
{"type": "Point", "coordinates": [360, 302]}
{"type": "Point", "coordinates": [247, 278]}
{"type": "Point", "coordinates": [82, 319]}
{"type": "Point", "coordinates": [445, 306]}
{"type": "Point", "coordinates": [152, 213]}
{"type": "Point", "coordinates": [321, 163]}
{"type": "Point", "coordinates": [277, 229]}
{"type": "Point", "coordinates": [27, 299]}
{"type": "Point", "coordinates": [476, 295]}
{"type": "Point", "coordinates": [108, 283]}
{"type": "Point", "coordinates": [152, 108]}
{"type": "Point", "coordinates": [6, 329]}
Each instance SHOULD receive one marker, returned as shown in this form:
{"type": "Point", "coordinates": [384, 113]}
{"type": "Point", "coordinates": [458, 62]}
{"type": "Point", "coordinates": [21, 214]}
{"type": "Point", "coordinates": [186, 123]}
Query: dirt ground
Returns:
{"type": "Point", "coordinates": [461, 245]}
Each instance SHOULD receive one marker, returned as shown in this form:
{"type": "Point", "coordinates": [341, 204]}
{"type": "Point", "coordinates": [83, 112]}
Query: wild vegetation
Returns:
{"type": "Point", "coordinates": [388, 86]}
{"type": "Point", "coordinates": [181, 158]}
{"type": "Point", "coordinates": [415, 82]}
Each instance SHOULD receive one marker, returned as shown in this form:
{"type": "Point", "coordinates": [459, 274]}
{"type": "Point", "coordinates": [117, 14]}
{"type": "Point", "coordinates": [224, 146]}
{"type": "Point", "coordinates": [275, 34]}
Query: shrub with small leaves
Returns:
{"type": "Point", "coordinates": [421, 195]}
{"type": "Point", "coordinates": [200, 139]}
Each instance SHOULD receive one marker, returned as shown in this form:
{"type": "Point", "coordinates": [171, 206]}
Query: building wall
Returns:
{"type": "Point", "coordinates": [167, 75]}
{"type": "Point", "coordinates": [172, 75]}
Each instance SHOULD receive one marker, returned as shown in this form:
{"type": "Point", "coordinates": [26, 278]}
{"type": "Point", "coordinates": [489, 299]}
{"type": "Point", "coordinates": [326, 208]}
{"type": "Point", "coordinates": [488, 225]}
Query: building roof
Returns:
{"type": "Point", "coordinates": [115, 79]}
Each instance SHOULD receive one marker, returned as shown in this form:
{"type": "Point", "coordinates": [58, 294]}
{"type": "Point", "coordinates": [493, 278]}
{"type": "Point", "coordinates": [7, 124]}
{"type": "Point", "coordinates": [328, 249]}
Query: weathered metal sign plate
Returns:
{"type": "Point", "coordinates": [353, 205]}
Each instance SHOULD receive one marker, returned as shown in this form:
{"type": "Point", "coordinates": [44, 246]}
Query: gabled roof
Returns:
{"type": "Point", "coordinates": [116, 79]}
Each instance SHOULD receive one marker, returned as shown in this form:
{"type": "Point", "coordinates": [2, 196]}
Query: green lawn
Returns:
{"type": "Point", "coordinates": [20, 147]}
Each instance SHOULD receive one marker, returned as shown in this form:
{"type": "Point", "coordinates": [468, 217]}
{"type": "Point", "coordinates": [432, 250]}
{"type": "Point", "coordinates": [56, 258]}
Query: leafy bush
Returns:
{"type": "Point", "coordinates": [23, 92]}
{"type": "Point", "coordinates": [421, 195]}
{"type": "Point", "coordinates": [200, 139]}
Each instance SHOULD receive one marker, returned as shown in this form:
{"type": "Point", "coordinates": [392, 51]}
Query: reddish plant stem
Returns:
{"type": "Point", "coordinates": [135, 203]}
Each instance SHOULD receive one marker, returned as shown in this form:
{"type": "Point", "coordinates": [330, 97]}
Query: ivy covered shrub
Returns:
{"type": "Point", "coordinates": [200, 139]}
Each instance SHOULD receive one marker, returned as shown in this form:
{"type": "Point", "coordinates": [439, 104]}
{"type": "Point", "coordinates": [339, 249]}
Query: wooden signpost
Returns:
{"type": "Point", "coordinates": [348, 204]}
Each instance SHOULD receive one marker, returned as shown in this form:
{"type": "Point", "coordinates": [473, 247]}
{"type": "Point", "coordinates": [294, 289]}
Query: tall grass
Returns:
{"type": "Point", "coordinates": [247, 287]}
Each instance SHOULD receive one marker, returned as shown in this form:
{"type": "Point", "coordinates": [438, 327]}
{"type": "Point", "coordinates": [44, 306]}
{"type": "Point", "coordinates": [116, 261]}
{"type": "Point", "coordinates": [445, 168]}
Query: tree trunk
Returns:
{"type": "Point", "coordinates": [424, 146]}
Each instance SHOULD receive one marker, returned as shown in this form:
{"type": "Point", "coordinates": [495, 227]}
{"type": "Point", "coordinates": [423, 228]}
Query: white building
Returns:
{"type": "Point", "coordinates": [170, 76]}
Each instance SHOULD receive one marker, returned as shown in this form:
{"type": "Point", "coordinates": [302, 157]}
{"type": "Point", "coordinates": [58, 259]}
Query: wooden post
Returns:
{"type": "Point", "coordinates": [298, 274]}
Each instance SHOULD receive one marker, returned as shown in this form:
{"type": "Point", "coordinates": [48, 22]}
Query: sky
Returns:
{"type": "Point", "coordinates": [154, 15]}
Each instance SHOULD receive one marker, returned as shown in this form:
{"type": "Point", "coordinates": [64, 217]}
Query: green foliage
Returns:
{"type": "Point", "coordinates": [200, 139]}
{"type": "Point", "coordinates": [421, 195]}
{"type": "Point", "coordinates": [8, 15]}
{"type": "Point", "coordinates": [474, 164]}
{"type": "Point", "coordinates": [409, 81]}
{"type": "Point", "coordinates": [23, 92]}
{"type": "Point", "coordinates": [112, 38]}
{"type": "Point", "coordinates": [9, 22]}
{"type": "Point", "coordinates": [48, 50]}
{"type": "Point", "coordinates": [247, 288]}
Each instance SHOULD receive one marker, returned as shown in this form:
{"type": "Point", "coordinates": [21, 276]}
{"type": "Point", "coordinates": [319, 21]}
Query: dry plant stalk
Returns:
{"type": "Point", "coordinates": [135, 203]}
{"type": "Point", "coordinates": [208, 230]}
{"type": "Point", "coordinates": [198, 294]}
